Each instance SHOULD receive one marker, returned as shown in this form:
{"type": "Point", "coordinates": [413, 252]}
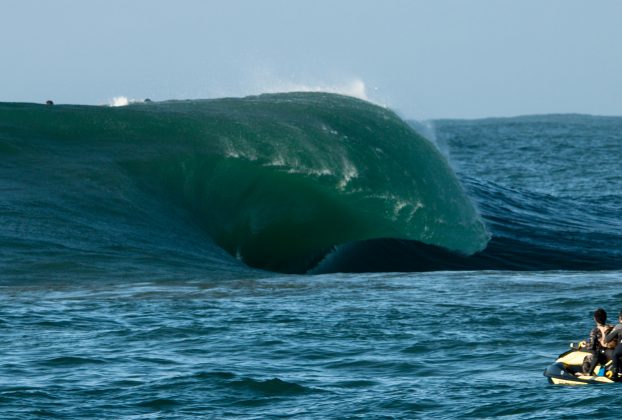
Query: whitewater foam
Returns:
{"type": "Point", "coordinates": [349, 173]}
{"type": "Point", "coordinates": [120, 101]}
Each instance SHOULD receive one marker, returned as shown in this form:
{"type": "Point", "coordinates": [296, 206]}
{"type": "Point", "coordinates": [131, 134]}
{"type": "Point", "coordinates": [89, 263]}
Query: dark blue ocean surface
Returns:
{"type": "Point", "coordinates": [301, 255]}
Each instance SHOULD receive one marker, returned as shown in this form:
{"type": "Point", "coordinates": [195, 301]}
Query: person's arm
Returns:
{"type": "Point", "coordinates": [591, 342]}
{"type": "Point", "coordinates": [613, 334]}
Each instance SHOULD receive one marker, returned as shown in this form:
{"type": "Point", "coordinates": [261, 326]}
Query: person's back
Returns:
{"type": "Point", "coordinates": [597, 334]}
{"type": "Point", "coordinates": [596, 346]}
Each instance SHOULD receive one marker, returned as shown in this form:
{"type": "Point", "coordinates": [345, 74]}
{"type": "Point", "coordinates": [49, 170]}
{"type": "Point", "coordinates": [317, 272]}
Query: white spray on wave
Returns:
{"type": "Point", "coordinates": [122, 101]}
{"type": "Point", "coordinates": [355, 88]}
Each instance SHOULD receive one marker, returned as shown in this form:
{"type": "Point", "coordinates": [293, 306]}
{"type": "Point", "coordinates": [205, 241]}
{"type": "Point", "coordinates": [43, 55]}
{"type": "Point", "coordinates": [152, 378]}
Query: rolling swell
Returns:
{"type": "Point", "coordinates": [278, 181]}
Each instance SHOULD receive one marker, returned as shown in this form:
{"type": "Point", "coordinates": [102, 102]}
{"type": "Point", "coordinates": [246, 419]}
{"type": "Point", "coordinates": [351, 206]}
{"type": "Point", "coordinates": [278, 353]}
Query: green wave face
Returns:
{"type": "Point", "coordinates": [277, 180]}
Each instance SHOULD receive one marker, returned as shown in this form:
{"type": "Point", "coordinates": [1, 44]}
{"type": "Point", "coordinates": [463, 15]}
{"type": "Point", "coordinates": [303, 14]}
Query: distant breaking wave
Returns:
{"type": "Point", "coordinates": [277, 180]}
{"type": "Point", "coordinates": [301, 182]}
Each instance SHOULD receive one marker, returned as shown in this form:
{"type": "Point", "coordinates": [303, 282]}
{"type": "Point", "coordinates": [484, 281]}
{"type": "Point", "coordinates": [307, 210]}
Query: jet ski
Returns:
{"type": "Point", "coordinates": [567, 369]}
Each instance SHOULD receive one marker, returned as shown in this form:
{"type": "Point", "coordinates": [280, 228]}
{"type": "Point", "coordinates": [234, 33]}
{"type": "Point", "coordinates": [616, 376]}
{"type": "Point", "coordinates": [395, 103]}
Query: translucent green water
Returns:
{"type": "Point", "coordinates": [275, 180]}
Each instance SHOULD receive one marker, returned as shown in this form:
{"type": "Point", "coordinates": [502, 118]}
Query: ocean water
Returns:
{"type": "Point", "coordinates": [301, 255]}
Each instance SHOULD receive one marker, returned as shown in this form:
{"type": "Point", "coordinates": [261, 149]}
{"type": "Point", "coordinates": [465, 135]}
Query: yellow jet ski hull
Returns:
{"type": "Point", "coordinates": [566, 370]}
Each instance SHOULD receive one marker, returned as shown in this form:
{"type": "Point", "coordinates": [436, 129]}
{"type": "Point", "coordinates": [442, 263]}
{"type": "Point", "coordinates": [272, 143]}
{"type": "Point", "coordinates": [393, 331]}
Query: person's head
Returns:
{"type": "Point", "coordinates": [620, 317]}
{"type": "Point", "coordinates": [600, 316]}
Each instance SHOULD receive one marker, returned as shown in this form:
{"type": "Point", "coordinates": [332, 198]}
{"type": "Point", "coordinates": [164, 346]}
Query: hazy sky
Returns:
{"type": "Point", "coordinates": [426, 59]}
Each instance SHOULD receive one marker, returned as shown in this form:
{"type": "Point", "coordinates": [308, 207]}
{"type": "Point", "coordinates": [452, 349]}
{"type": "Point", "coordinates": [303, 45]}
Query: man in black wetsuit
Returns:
{"type": "Point", "coordinates": [595, 345]}
{"type": "Point", "coordinates": [615, 335]}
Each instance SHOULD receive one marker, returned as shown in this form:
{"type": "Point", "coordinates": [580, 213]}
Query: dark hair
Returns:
{"type": "Point", "coordinates": [600, 316]}
{"type": "Point", "coordinates": [620, 314]}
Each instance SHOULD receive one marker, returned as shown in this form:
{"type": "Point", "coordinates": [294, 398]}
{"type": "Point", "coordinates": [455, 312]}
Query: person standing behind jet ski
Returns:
{"type": "Point", "coordinates": [615, 337]}
{"type": "Point", "coordinates": [598, 349]}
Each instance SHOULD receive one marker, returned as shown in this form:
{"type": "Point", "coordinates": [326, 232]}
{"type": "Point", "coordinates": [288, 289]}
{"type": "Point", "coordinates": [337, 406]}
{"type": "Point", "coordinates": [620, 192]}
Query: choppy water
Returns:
{"type": "Point", "coordinates": [465, 344]}
{"type": "Point", "coordinates": [121, 297]}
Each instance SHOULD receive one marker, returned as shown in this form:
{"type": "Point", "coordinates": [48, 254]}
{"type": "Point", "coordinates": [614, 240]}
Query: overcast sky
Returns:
{"type": "Point", "coordinates": [426, 59]}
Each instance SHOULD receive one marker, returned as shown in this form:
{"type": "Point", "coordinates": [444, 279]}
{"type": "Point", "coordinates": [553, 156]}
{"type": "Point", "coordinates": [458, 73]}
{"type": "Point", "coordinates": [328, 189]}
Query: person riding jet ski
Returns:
{"type": "Point", "coordinates": [600, 351]}
{"type": "Point", "coordinates": [588, 362]}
